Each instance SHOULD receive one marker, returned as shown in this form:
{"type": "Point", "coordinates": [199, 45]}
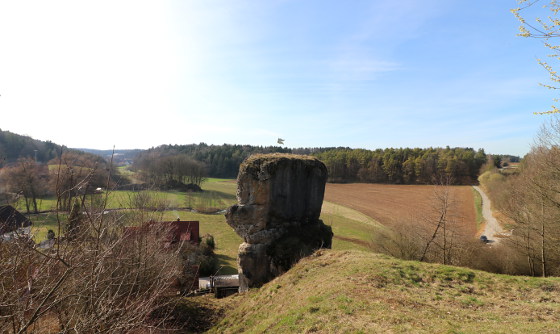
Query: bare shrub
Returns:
{"type": "Point", "coordinates": [103, 279]}
{"type": "Point", "coordinates": [401, 242]}
{"type": "Point", "coordinates": [145, 205]}
{"type": "Point", "coordinates": [501, 259]}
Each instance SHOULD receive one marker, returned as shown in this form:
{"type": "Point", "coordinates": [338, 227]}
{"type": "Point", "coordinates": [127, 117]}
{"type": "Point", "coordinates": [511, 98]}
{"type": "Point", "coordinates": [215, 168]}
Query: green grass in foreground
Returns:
{"type": "Point", "coordinates": [362, 292]}
{"type": "Point", "coordinates": [224, 185]}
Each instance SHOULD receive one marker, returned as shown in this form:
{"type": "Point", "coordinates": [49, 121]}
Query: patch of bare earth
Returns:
{"type": "Point", "coordinates": [393, 205]}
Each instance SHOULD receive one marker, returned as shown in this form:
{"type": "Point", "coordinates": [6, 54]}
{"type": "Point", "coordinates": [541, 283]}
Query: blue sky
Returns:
{"type": "Point", "coordinates": [363, 74]}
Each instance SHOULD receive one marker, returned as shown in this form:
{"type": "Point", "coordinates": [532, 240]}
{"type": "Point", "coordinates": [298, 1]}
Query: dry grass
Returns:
{"type": "Point", "coordinates": [397, 204]}
{"type": "Point", "coordinates": [352, 229]}
{"type": "Point", "coordinates": [359, 292]}
{"type": "Point", "coordinates": [329, 208]}
{"type": "Point", "coordinates": [277, 156]}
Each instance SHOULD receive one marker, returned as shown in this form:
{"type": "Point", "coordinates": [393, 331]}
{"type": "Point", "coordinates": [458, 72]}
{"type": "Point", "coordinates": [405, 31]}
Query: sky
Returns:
{"type": "Point", "coordinates": [317, 73]}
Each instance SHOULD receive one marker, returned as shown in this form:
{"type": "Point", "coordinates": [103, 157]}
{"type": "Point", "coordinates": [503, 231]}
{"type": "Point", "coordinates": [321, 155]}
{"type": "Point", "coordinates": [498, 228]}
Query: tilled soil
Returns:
{"type": "Point", "coordinates": [404, 204]}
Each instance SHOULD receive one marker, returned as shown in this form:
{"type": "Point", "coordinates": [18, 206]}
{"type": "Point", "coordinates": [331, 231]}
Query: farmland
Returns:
{"type": "Point", "coordinates": [355, 212]}
{"type": "Point", "coordinates": [393, 205]}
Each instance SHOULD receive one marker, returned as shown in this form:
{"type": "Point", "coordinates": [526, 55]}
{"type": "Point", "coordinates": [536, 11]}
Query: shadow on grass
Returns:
{"type": "Point", "coordinates": [188, 315]}
{"type": "Point", "coordinates": [217, 193]}
{"type": "Point", "coordinates": [225, 262]}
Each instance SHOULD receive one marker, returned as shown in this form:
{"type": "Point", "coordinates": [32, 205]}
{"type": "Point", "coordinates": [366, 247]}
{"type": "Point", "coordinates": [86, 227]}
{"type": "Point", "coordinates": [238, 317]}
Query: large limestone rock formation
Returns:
{"type": "Point", "coordinates": [279, 203]}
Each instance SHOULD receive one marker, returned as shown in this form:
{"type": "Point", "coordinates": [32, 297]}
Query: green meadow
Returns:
{"type": "Point", "coordinates": [352, 229]}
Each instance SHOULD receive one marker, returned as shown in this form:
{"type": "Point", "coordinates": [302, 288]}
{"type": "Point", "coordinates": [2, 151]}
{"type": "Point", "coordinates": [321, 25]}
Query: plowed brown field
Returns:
{"type": "Point", "coordinates": [402, 204]}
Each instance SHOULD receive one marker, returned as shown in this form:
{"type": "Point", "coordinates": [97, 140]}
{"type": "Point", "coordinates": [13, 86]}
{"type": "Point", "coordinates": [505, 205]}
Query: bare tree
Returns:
{"type": "Point", "coordinates": [533, 203]}
{"type": "Point", "coordinates": [146, 206]}
{"type": "Point", "coordinates": [441, 241]}
{"type": "Point", "coordinates": [105, 279]}
{"type": "Point", "coordinates": [168, 170]}
{"type": "Point", "coordinates": [433, 235]}
{"type": "Point", "coordinates": [516, 207]}
{"type": "Point", "coordinates": [76, 175]}
{"type": "Point", "coordinates": [26, 178]}
{"type": "Point", "coordinates": [402, 241]}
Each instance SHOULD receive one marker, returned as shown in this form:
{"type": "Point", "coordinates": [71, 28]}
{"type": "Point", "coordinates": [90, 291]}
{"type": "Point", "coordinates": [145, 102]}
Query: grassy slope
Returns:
{"type": "Point", "coordinates": [361, 292]}
{"type": "Point", "coordinates": [478, 209]}
{"type": "Point", "coordinates": [352, 229]}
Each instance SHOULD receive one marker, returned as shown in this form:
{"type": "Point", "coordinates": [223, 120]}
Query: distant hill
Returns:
{"type": "Point", "coordinates": [362, 292]}
{"type": "Point", "coordinates": [14, 146]}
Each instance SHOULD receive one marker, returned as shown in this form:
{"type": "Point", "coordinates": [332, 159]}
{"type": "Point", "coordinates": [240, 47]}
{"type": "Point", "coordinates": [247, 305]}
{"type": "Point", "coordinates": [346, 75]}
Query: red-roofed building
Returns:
{"type": "Point", "coordinates": [182, 230]}
{"type": "Point", "coordinates": [177, 230]}
{"type": "Point", "coordinates": [169, 233]}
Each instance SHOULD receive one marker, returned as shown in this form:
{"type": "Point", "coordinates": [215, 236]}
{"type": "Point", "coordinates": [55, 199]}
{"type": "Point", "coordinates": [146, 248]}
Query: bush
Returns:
{"type": "Point", "coordinates": [201, 255]}
{"type": "Point", "coordinates": [104, 281]}
{"type": "Point", "coordinates": [208, 239]}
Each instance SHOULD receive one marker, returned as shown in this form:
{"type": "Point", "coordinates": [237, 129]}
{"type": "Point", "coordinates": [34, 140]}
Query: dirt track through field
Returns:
{"type": "Point", "coordinates": [400, 204]}
{"type": "Point", "coordinates": [492, 230]}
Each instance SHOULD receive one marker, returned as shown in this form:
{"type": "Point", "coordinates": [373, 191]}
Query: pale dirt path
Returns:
{"type": "Point", "coordinates": [493, 228]}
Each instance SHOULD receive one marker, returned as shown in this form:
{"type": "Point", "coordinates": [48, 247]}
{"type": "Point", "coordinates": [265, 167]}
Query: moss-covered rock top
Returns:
{"type": "Point", "coordinates": [271, 158]}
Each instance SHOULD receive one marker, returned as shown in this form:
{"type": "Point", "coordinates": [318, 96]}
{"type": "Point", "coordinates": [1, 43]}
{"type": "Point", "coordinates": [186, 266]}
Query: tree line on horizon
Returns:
{"type": "Point", "coordinates": [390, 165]}
{"type": "Point", "coordinates": [404, 165]}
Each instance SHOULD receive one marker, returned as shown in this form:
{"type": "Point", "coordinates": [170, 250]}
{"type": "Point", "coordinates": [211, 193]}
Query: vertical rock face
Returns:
{"type": "Point", "coordinates": [277, 215]}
